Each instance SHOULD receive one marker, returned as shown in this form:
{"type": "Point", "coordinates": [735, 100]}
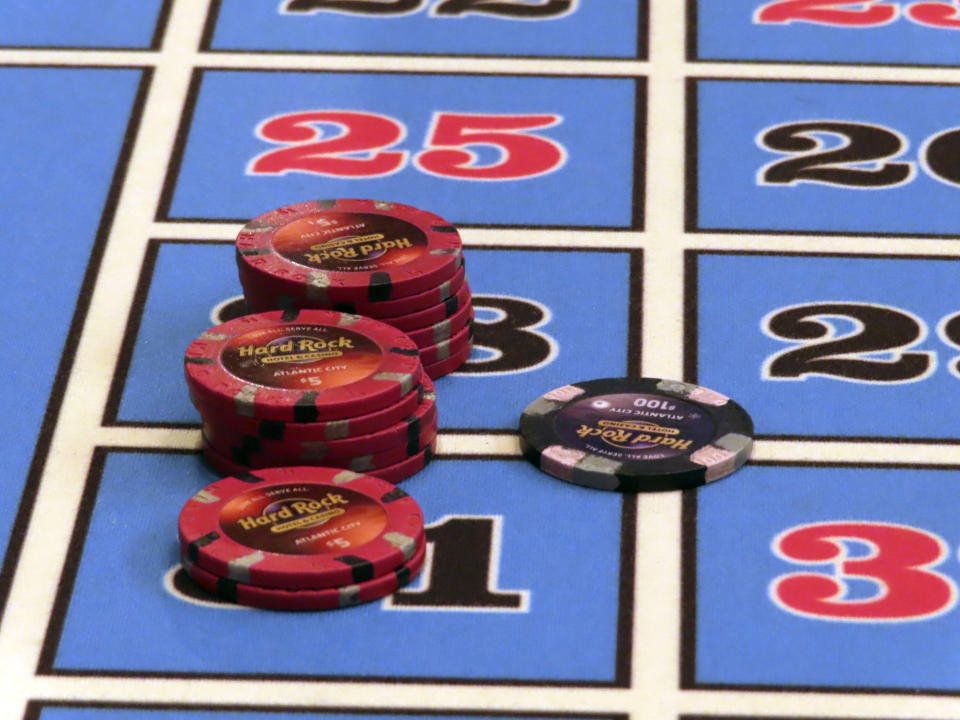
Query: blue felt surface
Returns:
{"type": "Point", "coordinates": [570, 568]}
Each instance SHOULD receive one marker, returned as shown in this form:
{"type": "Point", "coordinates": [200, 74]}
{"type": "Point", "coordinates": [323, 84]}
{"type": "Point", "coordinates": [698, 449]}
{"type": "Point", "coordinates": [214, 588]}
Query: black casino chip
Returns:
{"type": "Point", "coordinates": [636, 435]}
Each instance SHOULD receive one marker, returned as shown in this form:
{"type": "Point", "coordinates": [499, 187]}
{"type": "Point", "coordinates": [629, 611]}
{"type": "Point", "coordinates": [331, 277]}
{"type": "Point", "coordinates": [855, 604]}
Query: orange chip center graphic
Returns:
{"type": "Point", "coordinates": [299, 519]}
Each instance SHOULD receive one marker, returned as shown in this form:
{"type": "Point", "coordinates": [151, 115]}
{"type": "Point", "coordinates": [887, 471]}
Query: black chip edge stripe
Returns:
{"type": "Point", "coordinates": [227, 589]}
{"type": "Point", "coordinates": [272, 429]}
{"type": "Point", "coordinates": [252, 444]}
{"type": "Point", "coordinates": [405, 351]}
{"type": "Point", "coordinates": [248, 477]}
{"type": "Point", "coordinates": [451, 304]}
{"type": "Point", "coordinates": [413, 435]}
{"type": "Point", "coordinates": [393, 496]}
{"type": "Point", "coordinates": [404, 576]}
{"type": "Point", "coordinates": [305, 409]}
{"type": "Point", "coordinates": [346, 307]}
{"type": "Point", "coordinates": [290, 314]}
{"type": "Point", "coordinates": [380, 287]}
{"type": "Point", "coordinates": [240, 456]}
{"type": "Point", "coordinates": [193, 548]}
{"type": "Point", "coordinates": [360, 570]}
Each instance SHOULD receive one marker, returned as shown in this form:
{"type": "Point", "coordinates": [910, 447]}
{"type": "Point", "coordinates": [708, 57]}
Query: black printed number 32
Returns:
{"type": "Point", "coordinates": [858, 155]}
{"type": "Point", "coordinates": [518, 9]}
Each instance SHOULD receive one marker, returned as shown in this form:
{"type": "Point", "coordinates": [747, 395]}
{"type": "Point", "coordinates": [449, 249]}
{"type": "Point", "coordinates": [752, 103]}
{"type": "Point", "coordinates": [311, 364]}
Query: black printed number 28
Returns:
{"type": "Point", "coordinates": [861, 155]}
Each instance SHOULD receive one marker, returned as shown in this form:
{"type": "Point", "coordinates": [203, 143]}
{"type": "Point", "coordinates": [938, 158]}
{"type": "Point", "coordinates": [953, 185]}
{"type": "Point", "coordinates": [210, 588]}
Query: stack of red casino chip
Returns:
{"type": "Point", "coordinates": [393, 262]}
{"type": "Point", "coordinates": [302, 538]}
{"type": "Point", "coordinates": [312, 387]}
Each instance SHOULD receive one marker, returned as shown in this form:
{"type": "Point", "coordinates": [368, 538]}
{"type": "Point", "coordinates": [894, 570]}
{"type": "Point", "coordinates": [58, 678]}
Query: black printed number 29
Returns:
{"type": "Point", "coordinates": [861, 155]}
{"type": "Point", "coordinates": [881, 347]}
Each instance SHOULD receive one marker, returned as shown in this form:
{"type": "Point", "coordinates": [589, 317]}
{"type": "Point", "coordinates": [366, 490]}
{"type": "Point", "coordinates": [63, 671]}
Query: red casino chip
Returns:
{"type": "Point", "coordinates": [325, 599]}
{"type": "Point", "coordinates": [224, 464]}
{"type": "Point", "coordinates": [300, 527]}
{"type": "Point", "coordinates": [388, 461]}
{"type": "Point", "coordinates": [402, 470]}
{"type": "Point", "coordinates": [354, 251]}
{"type": "Point", "coordinates": [433, 314]}
{"type": "Point", "coordinates": [443, 330]}
{"type": "Point", "coordinates": [301, 366]}
{"type": "Point", "coordinates": [277, 430]}
{"type": "Point", "coordinates": [445, 367]}
{"type": "Point", "coordinates": [411, 432]}
{"type": "Point", "coordinates": [260, 299]}
{"type": "Point", "coordinates": [432, 354]}
{"type": "Point", "coordinates": [269, 456]}
{"type": "Point", "coordinates": [391, 473]}
{"type": "Point", "coordinates": [410, 303]}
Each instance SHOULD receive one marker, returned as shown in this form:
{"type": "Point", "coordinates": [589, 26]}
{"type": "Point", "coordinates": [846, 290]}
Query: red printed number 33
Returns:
{"type": "Point", "coordinates": [898, 563]}
{"type": "Point", "coordinates": [353, 144]}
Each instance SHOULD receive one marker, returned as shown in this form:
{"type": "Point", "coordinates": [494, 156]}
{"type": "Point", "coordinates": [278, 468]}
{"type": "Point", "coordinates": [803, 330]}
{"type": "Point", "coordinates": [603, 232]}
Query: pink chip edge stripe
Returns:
{"type": "Point", "coordinates": [717, 461]}
{"type": "Point", "coordinates": [562, 394]}
{"type": "Point", "coordinates": [708, 397]}
{"type": "Point", "coordinates": [559, 461]}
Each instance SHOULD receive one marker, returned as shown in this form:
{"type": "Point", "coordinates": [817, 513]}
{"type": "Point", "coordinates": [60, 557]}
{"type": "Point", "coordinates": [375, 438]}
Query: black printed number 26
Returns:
{"type": "Point", "coordinates": [857, 155]}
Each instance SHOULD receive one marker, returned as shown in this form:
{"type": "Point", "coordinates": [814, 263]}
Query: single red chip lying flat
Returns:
{"type": "Point", "coordinates": [444, 367]}
{"type": "Point", "coordinates": [433, 314]}
{"type": "Point", "coordinates": [409, 303]}
{"type": "Point", "coordinates": [402, 470]}
{"type": "Point", "coordinates": [261, 299]}
{"type": "Point", "coordinates": [413, 433]}
{"type": "Point", "coordinates": [365, 463]}
{"type": "Point", "coordinates": [300, 527]}
{"type": "Point", "coordinates": [323, 599]}
{"type": "Point", "coordinates": [355, 251]}
{"type": "Point", "coordinates": [443, 330]}
{"type": "Point", "coordinates": [391, 473]}
{"type": "Point", "coordinates": [301, 366]}
{"type": "Point", "coordinates": [432, 354]}
{"type": "Point", "coordinates": [348, 427]}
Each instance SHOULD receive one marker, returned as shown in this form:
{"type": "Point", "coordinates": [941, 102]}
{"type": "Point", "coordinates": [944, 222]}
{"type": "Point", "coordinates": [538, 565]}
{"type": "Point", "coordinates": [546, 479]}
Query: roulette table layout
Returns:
{"type": "Point", "coordinates": [757, 197]}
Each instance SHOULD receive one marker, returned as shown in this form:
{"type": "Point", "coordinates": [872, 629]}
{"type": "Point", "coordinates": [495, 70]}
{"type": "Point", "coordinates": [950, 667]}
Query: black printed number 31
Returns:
{"type": "Point", "coordinates": [860, 155]}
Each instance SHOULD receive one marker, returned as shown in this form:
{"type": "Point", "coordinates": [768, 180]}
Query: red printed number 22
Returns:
{"type": "Point", "coordinates": [898, 563]}
{"type": "Point", "coordinates": [354, 144]}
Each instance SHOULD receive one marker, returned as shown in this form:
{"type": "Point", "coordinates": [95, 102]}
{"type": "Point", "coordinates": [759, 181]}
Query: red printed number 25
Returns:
{"type": "Point", "coordinates": [353, 144]}
{"type": "Point", "coordinates": [898, 563]}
